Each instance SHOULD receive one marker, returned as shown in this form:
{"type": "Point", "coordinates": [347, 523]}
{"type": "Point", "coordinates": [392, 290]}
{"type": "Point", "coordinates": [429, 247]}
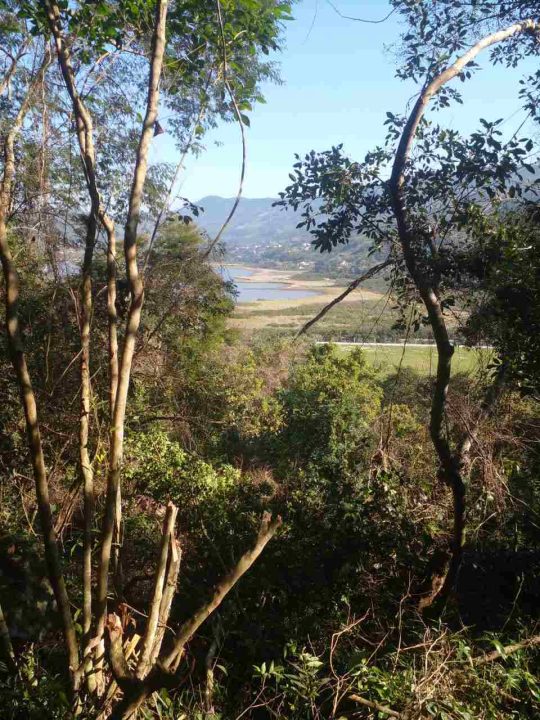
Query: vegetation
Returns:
{"type": "Point", "coordinates": [195, 523]}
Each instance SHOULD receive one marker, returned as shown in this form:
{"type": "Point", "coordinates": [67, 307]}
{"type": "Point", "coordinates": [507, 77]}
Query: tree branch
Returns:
{"type": "Point", "coordinates": [13, 66]}
{"type": "Point", "coordinates": [267, 530]}
{"type": "Point", "coordinates": [375, 706]}
{"type": "Point", "coordinates": [508, 650]}
{"type": "Point", "coordinates": [355, 283]}
{"type": "Point", "coordinates": [154, 613]}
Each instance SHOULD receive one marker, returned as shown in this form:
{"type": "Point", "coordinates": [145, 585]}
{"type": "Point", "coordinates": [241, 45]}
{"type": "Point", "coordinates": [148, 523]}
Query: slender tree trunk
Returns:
{"type": "Point", "coordinates": [87, 471]}
{"type": "Point", "coordinates": [149, 637]}
{"type": "Point", "coordinates": [169, 591]}
{"type": "Point", "coordinates": [134, 314]}
{"type": "Point", "coordinates": [28, 400]}
{"type": "Point", "coordinates": [450, 461]}
{"type": "Point", "coordinates": [112, 317]}
{"type": "Point", "coordinates": [85, 137]}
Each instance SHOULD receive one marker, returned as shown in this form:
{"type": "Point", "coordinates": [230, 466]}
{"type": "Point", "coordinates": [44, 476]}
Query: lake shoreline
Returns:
{"type": "Point", "coordinates": [321, 290]}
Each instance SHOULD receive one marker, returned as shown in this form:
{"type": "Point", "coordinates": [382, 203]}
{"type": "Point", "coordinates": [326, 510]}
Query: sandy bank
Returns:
{"type": "Point", "coordinates": [325, 288]}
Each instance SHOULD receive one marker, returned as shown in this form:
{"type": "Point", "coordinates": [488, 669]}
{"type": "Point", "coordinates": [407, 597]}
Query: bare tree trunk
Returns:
{"type": "Point", "coordinates": [149, 636]}
{"type": "Point", "coordinates": [162, 673]}
{"type": "Point", "coordinates": [5, 643]}
{"type": "Point", "coordinates": [112, 321]}
{"type": "Point", "coordinates": [87, 471]}
{"type": "Point", "coordinates": [112, 316]}
{"type": "Point", "coordinates": [85, 135]}
{"type": "Point", "coordinates": [450, 461]}
{"type": "Point", "coordinates": [18, 359]}
{"type": "Point", "coordinates": [134, 314]}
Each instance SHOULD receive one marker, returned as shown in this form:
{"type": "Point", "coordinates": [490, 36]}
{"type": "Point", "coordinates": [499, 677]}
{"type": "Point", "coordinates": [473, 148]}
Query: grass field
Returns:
{"type": "Point", "coordinates": [422, 359]}
{"type": "Point", "coordinates": [364, 316]}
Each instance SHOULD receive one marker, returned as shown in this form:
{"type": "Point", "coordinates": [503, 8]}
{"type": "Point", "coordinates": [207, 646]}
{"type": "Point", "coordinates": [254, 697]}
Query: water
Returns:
{"type": "Point", "coordinates": [252, 291]}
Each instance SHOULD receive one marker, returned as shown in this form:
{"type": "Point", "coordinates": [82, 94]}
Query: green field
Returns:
{"type": "Point", "coordinates": [422, 359]}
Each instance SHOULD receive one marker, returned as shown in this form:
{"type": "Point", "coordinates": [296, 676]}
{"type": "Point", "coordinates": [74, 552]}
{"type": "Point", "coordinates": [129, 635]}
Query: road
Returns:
{"type": "Point", "coordinates": [396, 344]}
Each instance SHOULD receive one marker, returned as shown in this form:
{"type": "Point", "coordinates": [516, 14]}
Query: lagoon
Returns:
{"type": "Point", "coordinates": [252, 291]}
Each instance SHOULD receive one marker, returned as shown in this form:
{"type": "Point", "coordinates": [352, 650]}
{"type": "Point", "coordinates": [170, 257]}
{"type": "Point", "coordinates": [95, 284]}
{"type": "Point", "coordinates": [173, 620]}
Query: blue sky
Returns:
{"type": "Point", "coordinates": [339, 82]}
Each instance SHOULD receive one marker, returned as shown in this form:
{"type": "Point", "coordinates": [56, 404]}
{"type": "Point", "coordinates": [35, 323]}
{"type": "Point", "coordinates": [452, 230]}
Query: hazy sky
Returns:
{"type": "Point", "coordinates": [338, 84]}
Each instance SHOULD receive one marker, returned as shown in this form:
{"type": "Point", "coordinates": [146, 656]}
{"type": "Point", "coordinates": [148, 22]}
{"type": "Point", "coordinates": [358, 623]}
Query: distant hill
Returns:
{"type": "Point", "coordinates": [260, 234]}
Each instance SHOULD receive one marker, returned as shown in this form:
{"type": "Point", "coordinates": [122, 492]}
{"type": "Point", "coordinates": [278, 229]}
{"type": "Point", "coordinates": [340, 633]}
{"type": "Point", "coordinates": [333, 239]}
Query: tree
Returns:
{"type": "Point", "coordinates": [86, 40]}
{"type": "Point", "coordinates": [420, 214]}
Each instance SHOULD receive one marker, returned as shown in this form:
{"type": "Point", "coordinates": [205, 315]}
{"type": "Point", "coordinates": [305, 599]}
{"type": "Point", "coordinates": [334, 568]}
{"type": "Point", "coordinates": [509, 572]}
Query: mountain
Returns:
{"type": "Point", "coordinates": [260, 234]}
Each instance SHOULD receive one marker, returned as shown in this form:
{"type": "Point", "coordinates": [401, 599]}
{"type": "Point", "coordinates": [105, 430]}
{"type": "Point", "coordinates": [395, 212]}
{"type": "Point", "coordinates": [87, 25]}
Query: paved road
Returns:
{"type": "Point", "coordinates": [395, 344]}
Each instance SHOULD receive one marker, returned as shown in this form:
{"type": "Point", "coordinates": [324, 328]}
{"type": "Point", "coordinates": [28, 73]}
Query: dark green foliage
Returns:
{"type": "Point", "coordinates": [507, 312]}
{"type": "Point", "coordinates": [329, 407]}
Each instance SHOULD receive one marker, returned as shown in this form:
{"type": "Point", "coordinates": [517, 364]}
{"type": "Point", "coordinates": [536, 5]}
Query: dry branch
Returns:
{"type": "Point", "coordinates": [162, 673]}
{"type": "Point", "coordinates": [374, 706]}
{"type": "Point", "coordinates": [169, 591]}
{"type": "Point", "coordinates": [267, 530]}
{"type": "Point", "coordinates": [508, 650]}
{"type": "Point", "coordinates": [355, 283]}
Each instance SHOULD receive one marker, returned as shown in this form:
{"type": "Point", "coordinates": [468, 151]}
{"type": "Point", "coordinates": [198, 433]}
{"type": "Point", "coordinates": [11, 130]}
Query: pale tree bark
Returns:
{"type": "Point", "coordinates": [162, 672]}
{"type": "Point", "coordinates": [169, 591]}
{"type": "Point", "coordinates": [451, 460]}
{"type": "Point", "coordinates": [85, 136]}
{"type": "Point", "coordinates": [28, 399]}
{"type": "Point", "coordinates": [112, 316]}
{"type": "Point", "coordinates": [112, 323]}
{"type": "Point", "coordinates": [134, 313]}
{"type": "Point", "coordinates": [4, 83]}
{"type": "Point", "coordinates": [149, 636]}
